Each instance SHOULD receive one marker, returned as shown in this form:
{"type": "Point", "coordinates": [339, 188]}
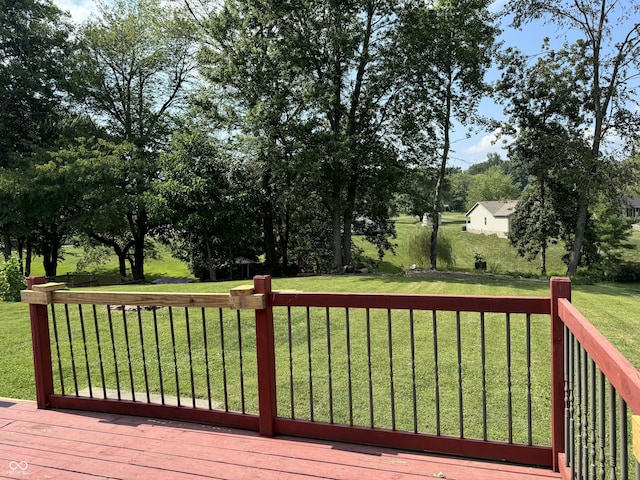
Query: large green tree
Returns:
{"type": "Point", "coordinates": [308, 86]}
{"type": "Point", "coordinates": [211, 216]}
{"type": "Point", "coordinates": [492, 185]}
{"type": "Point", "coordinates": [545, 102]}
{"type": "Point", "coordinates": [448, 46]}
{"type": "Point", "coordinates": [135, 62]}
{"type": "Point", "coordinates": [535, 224]}
{"type": "Point", "coordinates": [605, 62]}
{"type": "Point", "coordinates": [34, 46]}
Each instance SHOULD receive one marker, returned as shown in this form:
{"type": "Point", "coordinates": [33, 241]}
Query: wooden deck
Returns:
{"type": "Point", "coordinates": [69, 445]}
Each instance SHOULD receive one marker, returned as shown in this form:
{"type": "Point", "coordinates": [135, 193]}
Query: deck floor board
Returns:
{"type": "Point", "coordinates": [68, 445]}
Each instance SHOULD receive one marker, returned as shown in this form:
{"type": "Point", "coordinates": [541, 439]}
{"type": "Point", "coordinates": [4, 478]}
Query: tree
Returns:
{"type": "Point", "coordinates": [307, 88]}
{"type": "Point", "coordinates": [456, 196]}
{"type": "Point", "coordinates": [111, 187]}
{"type": "Point", "coordinates": [448, 46]}
{"type": "Point", "coordinates": [136, 60]}
{"type": "Point", "coordinates": [34, 46]}
{"type": "Point", "coordinates": [545, 102]}
{"type": "Point", "coordinates": [493, 160]}
{"type": "Point", "coordinates": [211, 219]}
{"type": "Point", "coordinates": [535, 224]}
{"type": "Point", "coordinates": [493, 185]}
{"type": "Point", "coordinates": [605, 62]}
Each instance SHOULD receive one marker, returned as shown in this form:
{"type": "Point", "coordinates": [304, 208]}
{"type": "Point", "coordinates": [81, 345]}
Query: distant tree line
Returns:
{"type": "Point", "coordinates": [274, 130]}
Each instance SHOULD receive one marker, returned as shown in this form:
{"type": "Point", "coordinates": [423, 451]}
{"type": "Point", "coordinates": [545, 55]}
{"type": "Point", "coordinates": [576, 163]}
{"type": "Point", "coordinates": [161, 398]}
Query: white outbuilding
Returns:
{"type": "Point", "coordinates": [491, 218]}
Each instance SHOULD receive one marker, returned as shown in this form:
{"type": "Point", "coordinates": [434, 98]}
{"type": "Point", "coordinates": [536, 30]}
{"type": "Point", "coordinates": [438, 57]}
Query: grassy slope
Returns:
{"type": "Point", "coordinates": [500, 256]}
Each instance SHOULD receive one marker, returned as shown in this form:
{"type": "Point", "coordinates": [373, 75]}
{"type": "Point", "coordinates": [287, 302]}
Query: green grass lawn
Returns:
{"type": "Point", "coordinates": [500, 256]}
{"type": "Point", "coordinates": [163, 264]}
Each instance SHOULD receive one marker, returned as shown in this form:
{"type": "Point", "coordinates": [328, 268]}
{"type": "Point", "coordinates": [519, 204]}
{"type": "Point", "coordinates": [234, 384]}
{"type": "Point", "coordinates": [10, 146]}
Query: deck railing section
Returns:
{"type": "Point", "coordinates": [184, 356]}
{"type": "Point", "coordinates": [465, 375]}
{"type": "Point", "coordinates": [461, 375]}
{"type": "Point", "coordinates": [601, 389]}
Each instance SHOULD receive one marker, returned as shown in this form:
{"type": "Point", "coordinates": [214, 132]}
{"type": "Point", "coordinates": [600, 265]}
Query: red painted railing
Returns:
{"type": "Point", "coordinates": [416, 372]}
{"type": "Point", "coordinates": [600, 386]}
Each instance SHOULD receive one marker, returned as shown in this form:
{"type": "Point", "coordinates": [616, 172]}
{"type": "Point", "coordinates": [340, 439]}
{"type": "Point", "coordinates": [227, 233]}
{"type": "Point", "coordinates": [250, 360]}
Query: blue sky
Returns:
{"type": "Point", "coordinates": [466, 150]}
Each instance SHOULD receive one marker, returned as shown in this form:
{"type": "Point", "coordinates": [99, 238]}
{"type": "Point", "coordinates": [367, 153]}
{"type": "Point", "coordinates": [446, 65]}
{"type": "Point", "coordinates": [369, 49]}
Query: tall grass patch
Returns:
{"type": "Point", "coordinates": [419, 248]}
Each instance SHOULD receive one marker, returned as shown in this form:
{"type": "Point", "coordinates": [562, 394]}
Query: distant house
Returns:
{"type": "Point", "coordinates": [491, 218]}
{"type": "Point", "coordinates": [631, 208]}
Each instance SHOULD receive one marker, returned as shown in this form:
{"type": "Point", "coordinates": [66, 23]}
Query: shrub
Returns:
{"type": "Point", "coordinates": [11, 280]}
{"type": "Point", "coordinates": [624, 272]}
{"type": "Point", "coordinates": [420, 245]}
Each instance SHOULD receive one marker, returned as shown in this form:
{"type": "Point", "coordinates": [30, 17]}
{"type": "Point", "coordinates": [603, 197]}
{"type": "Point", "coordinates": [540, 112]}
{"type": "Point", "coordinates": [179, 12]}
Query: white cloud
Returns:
{"type": "Point", "coordinates": [79, 9]}
{"type": "Point", "coordinates": [486, 144]}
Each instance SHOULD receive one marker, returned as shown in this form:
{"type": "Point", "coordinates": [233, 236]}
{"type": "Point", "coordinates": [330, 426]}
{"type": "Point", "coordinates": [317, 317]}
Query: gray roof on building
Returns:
{"type": "Point", "coordinates": [497, 209]}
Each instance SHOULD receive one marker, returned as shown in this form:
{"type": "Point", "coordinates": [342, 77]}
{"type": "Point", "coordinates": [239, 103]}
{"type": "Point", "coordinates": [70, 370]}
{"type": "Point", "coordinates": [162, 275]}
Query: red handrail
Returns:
{"type": "Point", "coordinates": [624, 377]}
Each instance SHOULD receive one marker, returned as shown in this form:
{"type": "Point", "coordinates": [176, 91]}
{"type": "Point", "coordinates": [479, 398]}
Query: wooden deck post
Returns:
{"type": "Point", "coordinates": [41, 345]}
{"type": "Point", "coordinates": [266, 358]}
{"type": "Point", "coordinates": [560, 288]}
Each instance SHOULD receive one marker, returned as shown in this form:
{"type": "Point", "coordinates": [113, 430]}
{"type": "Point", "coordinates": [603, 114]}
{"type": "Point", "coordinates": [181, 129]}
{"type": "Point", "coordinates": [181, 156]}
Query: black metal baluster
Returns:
{"type": "Point", "coordinates": [585, 413]}
{"type": "Point", "coordinates": [509, 380]}
{"type": "Point", "coordinates": [624, 457]}
{"type": "Point", "coordinates": [413, 371]}
{"type": "Point", "coordinates": [579, 407]}
{"type": "Point", "coordinates": [144, 357]}
{"type": "Point", "coordinates": [392, 390]}
{"type": "Point", "coordinates": [189, 347]}
{"type": "Point", "coordinates": [158, 356]}
{"type": "Point", "coordinates": [224, 363]}
{"type": "Point", "coordinates": [601, 424]}
{"type": "Point", "coordinates": [115, 356]}
{"type": "Point", "coordinates": [528, 353]}
{"type": "Point", "coordinates": [291, 384]}
{"type": "Point", "coordinates": [460, 395]}
{"type": "Point", "coordinates": [592, 419]}
{"type": "Point", "coordinates": [613, 432]}
{"type": "Point", "coordinates": [436, 369]}
{"type": "Point", "coordinates": [572, 444]}
{"type": "Point", "coordinates": [86, 351]}
{"type": "Point", "coordinates": [129, 362]}
{"type": "Point", "coordinates": [567, 449]}
{"type": "Point", "coordinates": [73, 357]}
{"type": "Point", "coordinates": [309, 363]}
{"type": "Point", "coordinates": [241, 359]}
{"type": "Point", "coordinates": [175, 356]}
{"type": "Point", "coordinates": [328, 322]}
{"type": "Point", "coordinates": [205, 342]}
{"type": "Point", "coordinates": [483, 361]}
{"type": "Point", "coordinates": [95, 324]}
{"type": "Point", "coordinates": [370, 367]}
{"type": "Point", "coordinates": [349, 380]}
{"type": "Point", "coordinates": [55, 335]}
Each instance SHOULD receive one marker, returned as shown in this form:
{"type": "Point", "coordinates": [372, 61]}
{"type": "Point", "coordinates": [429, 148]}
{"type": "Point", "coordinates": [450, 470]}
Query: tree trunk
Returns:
{"type": "Point", "coordinates": [20, 254]}
{"type": "Point", "coordinates": [138, 226]}
{"type": "Point", "coordinates": [581, 227]}
{"type": "Point", "coordinates": [210, 266]}
{"type": "Point", "coordinates": [28, 258]}
{"type": "Point", "coordinates": [433, 253]}
{"type": "Point", "coordinates": [137, 267]}
{"type": "Point", "coordinates": [50, 251]}
{"type": "Point", "coordinates": [337, 241]}
{"type": "Point", "coordinates": [284, 241]}
{"type": "Point", "coordinates": [122, 262]}
{"type": "Point", "coordinates": [7, 245]}
{"type": "Point", "coordinates": [347, 218]}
